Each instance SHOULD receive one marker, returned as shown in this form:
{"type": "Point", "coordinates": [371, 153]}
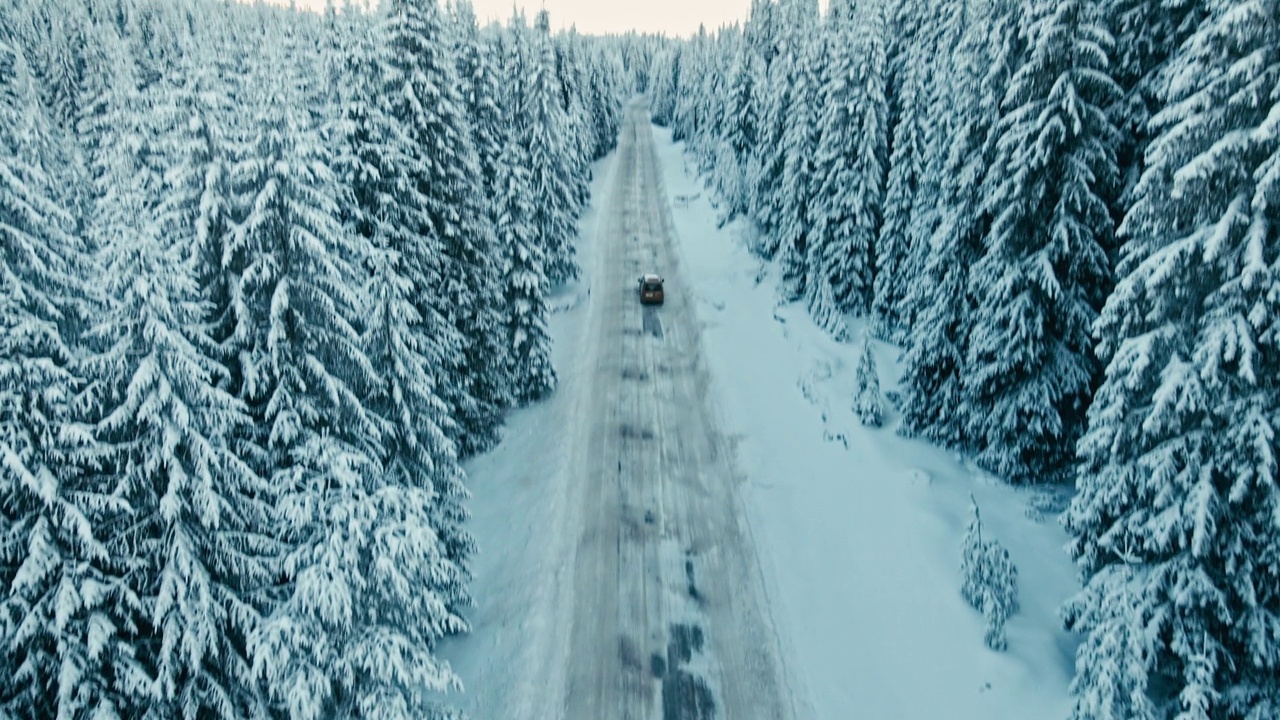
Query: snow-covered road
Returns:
{"type": "Point", "coordinates": [666, 619]}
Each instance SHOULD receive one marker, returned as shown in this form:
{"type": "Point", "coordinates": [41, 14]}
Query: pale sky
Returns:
{"type": "Point", "coordinates": [674, 17]}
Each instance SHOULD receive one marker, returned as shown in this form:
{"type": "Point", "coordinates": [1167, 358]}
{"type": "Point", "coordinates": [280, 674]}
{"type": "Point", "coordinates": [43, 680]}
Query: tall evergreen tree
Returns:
{"type": "Point", "coordinates": [941, 32]}
{"type": "Point", "coordinates": [525, 282]}
{"type": "Point", "coordinates": [422, 84]}
{"type": "Point", "coordinates": [662, 92]}
{"type": "Point", "coordinates": [1147, 32]}
{"type": "Point", "coordinates": [763, 28]}
{"type": "Point", "coordinates": [849, 167]}
{"type": "Point", "coordinates": [939, 306]}
{"type": "Point", "coordinates": [478, 73]}
{"type": "Point", "coordinates": [924, 104]}
{"type": "Point", "coordinates": [688, 116]}
{"type": "Point", "coordinates": [103, 57]}
{"type": "Point", "coordinates": [199, 142]}
{"type": "Point", "coordinates": [708, 93]}
{"type": "Point", "coordinates": [1174, 525]}
{"type": "Point", "coordinates": [768, 156]}
{"type": "Point", "coordinates": [546, 137]}
{"type": "Point", "coordinates": [607, 91]}
{"type": "Point", "coordinates": [1030, 370]}
{"type": "Point", "coordinates": [57, 46]}
{"type": "Point", "coordinates": [570, 75]}
{"type": "Point", "coordinates": [902, 193]}
{"type": "Point", "coordinates": [800, 140]}
{"type": "Point", "coordinates": [374, 162]}
{"type": "Point", "coordinates": [481, 94]}
{"type": "Point", "coordinates": [740, 126]}
{"type": "Point", "coordinates": [771, 37]}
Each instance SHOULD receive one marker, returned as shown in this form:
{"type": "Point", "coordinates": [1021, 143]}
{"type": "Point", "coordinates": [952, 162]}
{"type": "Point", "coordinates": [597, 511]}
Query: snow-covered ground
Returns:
{"type": "Point", "coordinates": [858, 530]}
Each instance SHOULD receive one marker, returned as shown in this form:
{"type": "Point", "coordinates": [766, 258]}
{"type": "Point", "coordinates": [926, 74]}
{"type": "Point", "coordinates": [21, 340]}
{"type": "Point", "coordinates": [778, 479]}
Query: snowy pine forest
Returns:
{"type": "Point", "coordinates": [1061, 211]}
{"type": "Point", "coordinates": [266, 278]}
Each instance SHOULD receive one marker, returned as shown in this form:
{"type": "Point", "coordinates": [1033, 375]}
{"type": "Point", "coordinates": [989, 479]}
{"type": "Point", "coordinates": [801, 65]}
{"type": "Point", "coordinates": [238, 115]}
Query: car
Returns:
{"type": "Point", "coordinates": [651, 290]}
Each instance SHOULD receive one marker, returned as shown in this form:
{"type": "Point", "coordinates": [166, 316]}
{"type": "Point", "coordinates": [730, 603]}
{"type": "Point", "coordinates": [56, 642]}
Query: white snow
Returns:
{"type": "Point", "coordinates": [859, 530]}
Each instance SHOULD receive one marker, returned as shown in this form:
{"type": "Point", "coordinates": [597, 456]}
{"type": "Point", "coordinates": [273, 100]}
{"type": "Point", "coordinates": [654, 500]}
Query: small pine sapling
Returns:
{"type": "Point", "coordinates": [867, 402]}
{"type": "Point", "coordinates": [989, 579]}
{"type": "Point", "coordinates": [971, 565]}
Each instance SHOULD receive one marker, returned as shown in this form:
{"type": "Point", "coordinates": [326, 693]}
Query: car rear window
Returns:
{"type": "Point", "coordinates": [652, 286]}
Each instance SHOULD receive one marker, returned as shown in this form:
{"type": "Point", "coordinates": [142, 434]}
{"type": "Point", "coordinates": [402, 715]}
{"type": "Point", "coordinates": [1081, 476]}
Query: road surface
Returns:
{"type": "Point", "coordinates": [667, 620]}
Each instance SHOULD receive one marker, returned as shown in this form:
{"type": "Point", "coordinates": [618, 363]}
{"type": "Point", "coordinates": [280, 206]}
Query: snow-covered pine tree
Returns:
{"type": "Point", "coordinates": [524, 275]}
{"type": "Point", "coordinates": [762, 29]}
{"type": "Point", "coordinates": [693, 67]}
{"type": "Point", "coordinates": [608, 89]}
{"type": "Point", "coordinates": [971, 574]}
{"type": "Point", "coordinates": [53, 40]}
{"type": "Point", "coordinates": [768, 156]}
{"type": "Point", "coordinates": [989, 580]}
{"type": "Point", "coordinates": [799, 141]}
{"type": "Point", "coordinates": [937, 103]}
{"type": "Point", "coordinates": [202, 132]}
{"type": "Point", "coordinates": [309, 42]}
{"type": "Point", "coordinates": [334, 37]}
{"type": "Point", "coordinates": [526, 283]}
{"type": "Point", "coordinates": [1030, 370]}
{"type": "Point", "coordinates": [155, 33]}
{"type": "Point", "coordinates": [124, 162]}
{"type": "Point", "coordinates": [710, 96]}
{"type": "Point", "coordinates": [196, 544]}
{"type": "Point", "coordinates": [374, 162]}
{"type": "Point", "coordinates": [481, 94]}
{"type": "Point", "coordinates": [906, 166]}
{"type": "Point", "coordinates": [693, 105]}
{"type": "Point", "coordinates": [103, 57]}
{"type": "Point", "coordinates": [570, 78]}
{"type": "Point", "coordinates": [1175, 521]}
{"type": "Point", "coordinates": [939, 306]}
{"type": "Point", "coordinates": [548, 144]}
{"type": "Point", "coordinates": [56, 47]}
{"type": "Point", "coordinates": [380, 159]}
{"type": "Point", "coordinates": [478, 74]}
{"type": "Point", "coordinates": [940, 33]}
{"type": "Point", "coordinates": [1112, 677]}
{"type": "Point", "coordinates": [414, 578]}
{"type": "Point", "coordinates": [762, 37]}
{"type": "Point", "coordinates": [739, 129]}
{"type": "Point", "coordinates": [422, 88]}
{"type": "Point", "coordinates": [849, 167]}
{"type": "Point", "coordinates": [64, 608]}
{"type": "Point", "coordinates": [662, 87]}
{"type": "Point", "coordinates": [868, 404]}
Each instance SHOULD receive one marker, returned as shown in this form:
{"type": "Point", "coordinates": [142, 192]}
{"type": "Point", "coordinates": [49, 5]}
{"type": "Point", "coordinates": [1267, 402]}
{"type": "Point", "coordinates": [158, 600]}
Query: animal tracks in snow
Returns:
{"type": "Point", "coordinates": [817, 386]}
